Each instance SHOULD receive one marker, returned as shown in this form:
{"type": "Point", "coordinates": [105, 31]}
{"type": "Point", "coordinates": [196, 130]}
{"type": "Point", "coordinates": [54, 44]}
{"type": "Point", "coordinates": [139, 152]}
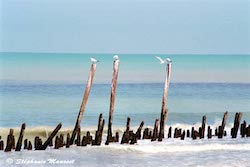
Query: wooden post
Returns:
{"type": "Point", "coordinates": [164, 110]}
{"type": "Point", "coordinates": [175, 133]}
{"type": "Point", "coordinates": [209, 133]}
{"type": "Point", "coordinates": [128, 124]}
{"type": "Point", "coordinates": [138, 132]}
{"type": "Point", "coordinates": [61, 138]}
{"type": "Point", "coordinates": [57, 143]}
{"type": "Point", "coordinates": [68, 141]}
{"type": "Point", "coordinates": [155, 132]}
{"type": "Point", "coordinates": [170, 132]}
{"type": "Point", "coordinates": [203, 127]}
{"type": "Point", "coordinates": [10, 141]}
{"type": "Point", "coordinates": [47, 142]}
{"type": "Point", "coordinates": [223, 124]}
{"type": "Point", "coordinates": [20, 139]}
{"type": "Point", "coordinates": [98, 134]}
{"type": "Point", "coordinates": [248, 131]}
{"type": "Point", "coordinates": [183, 135]}
{"type": "Point", "coordinates": [29, 146]}
{"type": "Point", "coordinates": [237, 119]}
{"type": "Point", "coordinates": [126, 135]}
{"type": "Point", "coordinates": [84, 102]}
{"type": "Point", "coordinates": [88, 138]}
{"type": "Point", "coordinates": [134, 138]}
{"type": "Point", "coordinates": [78, 138]}
{"type": "Point", "coordinates": [146, 134]}
{"type": "Point", "coordinates": [1, 144]}
{"type": "Point", "coordinates": [243, 129]}
{"type": "Point", "coordinates": [25, 144]}
{"type": "Point", "coordinates": [112, 99]}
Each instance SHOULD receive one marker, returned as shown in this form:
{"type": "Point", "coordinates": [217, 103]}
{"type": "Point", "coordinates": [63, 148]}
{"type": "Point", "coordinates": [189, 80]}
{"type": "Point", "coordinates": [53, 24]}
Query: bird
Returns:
{"type": "Point", "coordinates": [116, 57]}
{"type": "Point", "coordinates": [93, 60]}
{"type": "Point", "coordinates": [160, 59]}
{"type": "Point", "coordinates": [168, 60]}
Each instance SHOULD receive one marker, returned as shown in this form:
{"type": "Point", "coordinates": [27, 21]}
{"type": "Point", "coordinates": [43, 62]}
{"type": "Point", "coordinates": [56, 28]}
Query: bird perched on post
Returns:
{"type": "Point", "coordinates": [116, 57]}
{"type": "Point", "coordinates": [167, 60]}
{"type": "Point", "coordinates": [93, 60]}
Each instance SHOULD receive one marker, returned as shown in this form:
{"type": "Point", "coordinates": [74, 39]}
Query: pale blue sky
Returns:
{"type": "Point", "coordinates": [126, 26]}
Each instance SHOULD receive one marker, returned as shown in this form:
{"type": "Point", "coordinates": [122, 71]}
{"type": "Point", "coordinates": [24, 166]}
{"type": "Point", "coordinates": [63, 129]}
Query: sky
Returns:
{"type": "Point", "coordinates": [125, 26]}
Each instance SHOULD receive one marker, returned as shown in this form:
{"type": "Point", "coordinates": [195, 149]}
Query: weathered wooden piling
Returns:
{"type": "Point", "coordinates": [243, 129]}
{"type": "Point", "coordinates": [209, 133]}
{"type": "Point", "coordinates": [1, 144]}
{"type": "Point", "coordinates": [68, 141]}
{"type": "Point", "coordinates": [78, 138]}
{"type": "Point", "coordinates": [25, 144]}
{"type": "Point", "coordinates": [138, 132]}
{"type": "Point", "coordinates": [155, 131]}
{"type": "Point", "coordinates": [10, 141]}
{"type": "Point", "coordinates": [177, 133]}
{"type": "Point", "coordinates": [248, 131]}
{"type": "Point", "coordinates": [57, 143]}
{"type": "Point", "coordinates": [52, 135]}
{"type": "Point", "coordinates": [235, 128]}
{"type": "Point", "coordinates": [116, 62]}
{"type": "Point", "coordinates": [170, 132]}
{"type": "Point", "coordinates": [164, 110]}
{"type": "Point", "coordinates": [203, 126]}
{"type": "Point", "coordinates": [84, 102]}
{"type": "Point", "coordinates": [127, 134]}
{"type": "Point", "coordinates": [183, 135]}
{"type": "Point", "coordinates": [61, 139]}
{"type": "Point", "coordinates": [134, 138]}
{"type": "Point", "coordinates": [98, 134]}
{"type": "Point", "coordinates": [223, 124]}
{"type": "Point", "coordinates": [37, 143]}
{"type": "Point", "coordinates": [86, 139]}
{"type": "Point", "coordinates": [29, 146]}
{"type": "Point", "coordinates": [146, 134]}
{"type": "Point", "coordinates": [195, 134]}
{"type": "Point", "coordinates": [20, 139]}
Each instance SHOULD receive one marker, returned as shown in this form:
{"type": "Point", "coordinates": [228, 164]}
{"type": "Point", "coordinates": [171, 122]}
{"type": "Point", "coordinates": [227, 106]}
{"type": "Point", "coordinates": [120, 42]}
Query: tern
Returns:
{"type": "Point", "coordinates": [168, 60]}
{"type": "Point", "coordinates": [93, 60]}
{"type": "Point", "coordinates": [160, 59]}
{"type": "Point", "coordinates": [116, 57]}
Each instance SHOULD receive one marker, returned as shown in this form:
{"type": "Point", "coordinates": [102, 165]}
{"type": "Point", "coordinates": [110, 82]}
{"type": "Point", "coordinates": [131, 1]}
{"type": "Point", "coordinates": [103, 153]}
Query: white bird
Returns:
{"type": "Point", "coordinates": [168, 60]}
{"type": "Point", "coordinates": [93, 60]}
{"type": "Point", "coordinates": [116, 57]}
{"type": "Point", "coordinates": [160, 59]}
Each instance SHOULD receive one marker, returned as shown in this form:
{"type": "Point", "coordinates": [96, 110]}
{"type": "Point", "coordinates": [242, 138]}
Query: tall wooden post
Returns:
{"type": "Point", "coordinates": [112, 99]}
{"type": "Point", "coordinates": [84, 102]}
{"type": "Point", "coordinates": [164, 110]}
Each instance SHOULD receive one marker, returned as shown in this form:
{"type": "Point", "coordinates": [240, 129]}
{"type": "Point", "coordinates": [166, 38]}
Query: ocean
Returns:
{"type": "Point", "coordinates": [43, 89]}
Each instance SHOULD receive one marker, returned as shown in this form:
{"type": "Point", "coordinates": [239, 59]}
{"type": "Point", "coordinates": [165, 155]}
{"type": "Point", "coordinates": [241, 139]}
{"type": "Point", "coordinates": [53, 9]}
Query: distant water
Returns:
{"type": "Point", "coordinates": [47, 104]}
{"type": "Point", "coordinates": [45, 89]}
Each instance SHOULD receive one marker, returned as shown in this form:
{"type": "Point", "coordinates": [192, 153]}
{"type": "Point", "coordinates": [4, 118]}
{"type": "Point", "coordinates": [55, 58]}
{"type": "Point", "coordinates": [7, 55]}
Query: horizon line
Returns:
{"type": "Point", "coordinates": [128, 53]}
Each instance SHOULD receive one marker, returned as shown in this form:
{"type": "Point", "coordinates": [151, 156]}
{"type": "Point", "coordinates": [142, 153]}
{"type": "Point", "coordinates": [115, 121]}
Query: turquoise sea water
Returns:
{"type": "Point", "coordinates": [45, 89]}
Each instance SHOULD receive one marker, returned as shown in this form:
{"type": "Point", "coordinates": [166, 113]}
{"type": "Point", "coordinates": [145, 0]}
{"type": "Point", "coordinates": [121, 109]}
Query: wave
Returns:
{"type": "Point", "coordinates": [45, 131]}
{"type": "Point", "coordinates": [172, 147]}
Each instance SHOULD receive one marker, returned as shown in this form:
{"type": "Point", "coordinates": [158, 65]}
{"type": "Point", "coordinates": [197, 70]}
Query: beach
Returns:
{"type": "Point", "coordinates": [44, 89]}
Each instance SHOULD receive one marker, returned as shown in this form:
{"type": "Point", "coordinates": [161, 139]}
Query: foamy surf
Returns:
{"type": "Point", "coordinates": [44, 131]}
